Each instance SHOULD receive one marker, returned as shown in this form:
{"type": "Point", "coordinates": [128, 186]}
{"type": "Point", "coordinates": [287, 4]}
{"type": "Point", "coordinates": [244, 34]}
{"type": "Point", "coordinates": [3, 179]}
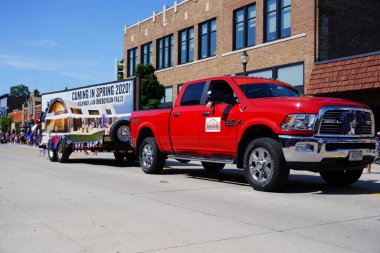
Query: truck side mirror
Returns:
{"type": "Point", "coordinates": [219, 96]}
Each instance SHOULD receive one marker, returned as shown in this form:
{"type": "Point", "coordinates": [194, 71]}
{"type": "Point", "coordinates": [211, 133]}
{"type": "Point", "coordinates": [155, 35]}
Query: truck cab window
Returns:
{"type": "Point", "coordinates": [193, 94]}
{"type": "Point", "coordinates": [264, 90]}
{"type": "Point", "coordinates": [223, 87]}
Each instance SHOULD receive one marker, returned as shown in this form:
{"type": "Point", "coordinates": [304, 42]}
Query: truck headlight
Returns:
{"type": "Point", "coordinates": [298, 122]}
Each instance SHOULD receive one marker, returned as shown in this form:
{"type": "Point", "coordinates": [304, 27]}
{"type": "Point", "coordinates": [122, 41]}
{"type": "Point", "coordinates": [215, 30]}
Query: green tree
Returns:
{"type": "Point", "coordinates": [151, 91]}
{"type": "Point", "coordinates": [19, 91]}
{"type": "Point", "coordinates": [6, 122]}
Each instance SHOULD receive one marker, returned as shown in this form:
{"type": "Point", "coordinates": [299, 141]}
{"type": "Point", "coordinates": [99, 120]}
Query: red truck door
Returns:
{"type": "Point", "coordinates": [185, 120]}
{"type": "Point", "coordinates": [219, 123]}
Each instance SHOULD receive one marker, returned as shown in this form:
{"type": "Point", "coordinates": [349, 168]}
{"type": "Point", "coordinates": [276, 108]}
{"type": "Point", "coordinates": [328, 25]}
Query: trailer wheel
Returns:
{"type": "Point", "coordinates": [63, 153]}
{"type": "Point", "coordinates": [52, 154]}
{"type": "Point", "coordinates": [119, 132]}
{"type": "Point", "coordinates": [152, 160]}
{"type": "Point", "coordinates": [264, 165]}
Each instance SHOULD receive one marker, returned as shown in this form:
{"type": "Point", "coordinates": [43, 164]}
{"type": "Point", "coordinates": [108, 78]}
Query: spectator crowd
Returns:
{"type": "Point", "coordinates": [22, 136]}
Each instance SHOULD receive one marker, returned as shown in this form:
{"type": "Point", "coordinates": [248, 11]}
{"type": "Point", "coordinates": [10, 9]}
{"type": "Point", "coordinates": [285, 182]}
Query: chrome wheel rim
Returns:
{"type": "Point", "coordinates": [147, 155]}
{"type": "Point", "coordinates": [51, 153]}
{"type": "Point", "coordinates": [123, 133]}
{"type": "Point", "coordinates": [260, 165]}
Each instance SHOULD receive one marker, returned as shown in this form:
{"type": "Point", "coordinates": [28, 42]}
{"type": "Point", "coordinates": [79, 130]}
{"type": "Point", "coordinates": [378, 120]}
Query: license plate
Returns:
{"type": "Point", "coordinates": [356, 155]}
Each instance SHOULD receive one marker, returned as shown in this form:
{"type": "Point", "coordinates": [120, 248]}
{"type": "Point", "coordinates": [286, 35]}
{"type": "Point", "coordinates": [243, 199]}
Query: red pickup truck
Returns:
{"type": "Point", "coordinates": [262, 125]}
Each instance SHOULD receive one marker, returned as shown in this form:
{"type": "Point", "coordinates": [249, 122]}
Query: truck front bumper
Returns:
{"type": "Point", "coordinates": [317, 154]}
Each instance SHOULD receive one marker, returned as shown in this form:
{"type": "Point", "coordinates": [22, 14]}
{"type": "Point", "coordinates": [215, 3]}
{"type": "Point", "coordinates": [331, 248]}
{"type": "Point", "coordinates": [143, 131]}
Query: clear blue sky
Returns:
{"type": "Point", "coordinates": [53, 44]}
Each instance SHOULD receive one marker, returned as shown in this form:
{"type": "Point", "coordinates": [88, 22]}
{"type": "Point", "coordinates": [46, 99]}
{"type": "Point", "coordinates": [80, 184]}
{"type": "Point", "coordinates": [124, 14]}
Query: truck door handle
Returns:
{"type": "Point", "coordinates": [205, 113]}
{"type": "Point", "coordinates": [176, 114]}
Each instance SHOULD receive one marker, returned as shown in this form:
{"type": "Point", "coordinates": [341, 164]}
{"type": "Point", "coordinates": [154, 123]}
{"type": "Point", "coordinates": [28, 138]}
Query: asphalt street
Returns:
{"type": "Point", "coordinates": [94, 204]}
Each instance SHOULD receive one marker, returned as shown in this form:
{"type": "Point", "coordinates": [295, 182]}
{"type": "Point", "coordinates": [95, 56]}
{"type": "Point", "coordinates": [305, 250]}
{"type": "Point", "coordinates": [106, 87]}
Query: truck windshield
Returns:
{"type": "Point", "coordinates": [263, 90]}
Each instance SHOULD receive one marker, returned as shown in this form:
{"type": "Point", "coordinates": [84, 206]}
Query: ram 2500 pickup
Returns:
{"type": "Point", "coordinates": [264, 126]}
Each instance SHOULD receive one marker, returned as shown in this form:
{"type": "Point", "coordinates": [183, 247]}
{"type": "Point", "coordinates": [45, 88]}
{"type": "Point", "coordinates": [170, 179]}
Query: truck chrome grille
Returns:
{"type": "Point", "coordinates": [334, 123]}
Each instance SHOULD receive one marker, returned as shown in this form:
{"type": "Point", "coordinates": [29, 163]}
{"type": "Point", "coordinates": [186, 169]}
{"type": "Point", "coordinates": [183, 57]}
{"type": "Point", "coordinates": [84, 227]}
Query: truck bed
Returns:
{"type": "Point", "coordinates": [158, 121]}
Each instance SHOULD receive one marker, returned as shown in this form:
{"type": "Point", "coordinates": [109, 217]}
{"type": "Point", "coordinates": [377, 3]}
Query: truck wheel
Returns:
{"type": "Point", "coordinates": [213, 167]}
{"type": "Point", "coordinates": [52, 154]}
{"type": "Point", "coordinates": [152, 160]}
{"type": "Point", "coordinates": [341, 178]}
{"type": "Point", "coordinates": [63, 153]}
{"type": "Point", "coordinates": [119, 156]}
{"type": "Point", "coordinates": [119, 133]}
{"type": "Point", "coordinates": [264, 165]}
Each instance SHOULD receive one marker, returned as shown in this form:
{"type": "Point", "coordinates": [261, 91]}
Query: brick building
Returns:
{"type": "Point", "coordinates": [29, 112]}
{"type": "Point", "coordinates": [291, 40]}
{"type": "Point", "coordinates": [9, 103]}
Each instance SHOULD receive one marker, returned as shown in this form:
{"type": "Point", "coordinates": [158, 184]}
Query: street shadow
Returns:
{"type": "Point", "coordinates": [315, 184]}
{"type": "Point", "coordinates": [228, 176]}
{"type": "Point", "coordinates": [110, 162]}
{"type": "Point", "coordinates": [296, 184]}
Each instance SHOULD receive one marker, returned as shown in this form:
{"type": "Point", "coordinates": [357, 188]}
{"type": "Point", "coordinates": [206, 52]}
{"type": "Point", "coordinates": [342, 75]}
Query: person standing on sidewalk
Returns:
{"type": "Point", "coordinates": [378, 150]}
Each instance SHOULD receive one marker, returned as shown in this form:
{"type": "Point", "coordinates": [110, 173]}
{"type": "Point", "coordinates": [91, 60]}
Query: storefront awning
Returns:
{"type": "Point", "coordinates": [346, 74]}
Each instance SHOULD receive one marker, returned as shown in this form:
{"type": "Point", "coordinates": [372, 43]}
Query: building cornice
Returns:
{"type": "Point", "coordinates": [265, 44]}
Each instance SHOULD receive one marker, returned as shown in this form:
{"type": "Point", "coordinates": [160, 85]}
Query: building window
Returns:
{"type": "Point", "coordinates": [263, 73]}
{"type": "Point", "coordinates": [244, 27]}
{"type": "Point", "coordinates": [132, 61]}
{"type": "Point", "coordinates": [179, 87]}
{"type": "Point", "coordinates": [277, 19]}
{"type": "Point", "coordinates": [186, 46]}
{"type": "Point", "coordinates": [207, 39]}
{"type": "Point", "coordinates": [165, 52]}
{"type": "Point", "coordinates": [146, 53]}
{"type": "Point", "coordinates": [168, 98]}
{"type": "Point", "coordinates": [292, 74]}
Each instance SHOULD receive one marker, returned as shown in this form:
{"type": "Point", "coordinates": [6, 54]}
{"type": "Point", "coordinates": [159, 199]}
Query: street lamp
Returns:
{"type": "Point", "coordinates": [244, 60]}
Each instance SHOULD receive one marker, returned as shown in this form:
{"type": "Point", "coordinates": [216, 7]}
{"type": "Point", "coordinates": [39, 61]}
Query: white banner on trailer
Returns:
{"type": "Point", "coordinates": [115, 96]}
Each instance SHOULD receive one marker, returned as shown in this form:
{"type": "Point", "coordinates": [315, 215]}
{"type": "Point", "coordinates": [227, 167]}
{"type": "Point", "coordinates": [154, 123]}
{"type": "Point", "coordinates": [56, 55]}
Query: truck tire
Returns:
{"type": "Point", "coordinates": [119, 156]}
{"type": "Point", "coordinates": [152, 160]}
{"type": "Point", "coordinates": [120, 133]}
{"type": "Point", "coordinates": [213, 167]}
{"type": "Point", "coordinates": [63, 153]}
{"type": "Point", "coordinates": [341, 178]}
{"type": "Point", "coordinates": [264, 165]}
{"type": "Point", "coordinates": [52, 154]}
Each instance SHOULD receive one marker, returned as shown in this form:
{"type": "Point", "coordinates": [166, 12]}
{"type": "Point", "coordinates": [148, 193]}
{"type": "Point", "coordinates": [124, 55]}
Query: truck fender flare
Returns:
{"type": "Point", "coordinates": [152, 128]}
{"type": "Point", "coordinates": [267, 126]}
{"type": "Point", "coordinates": [259, 121]}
